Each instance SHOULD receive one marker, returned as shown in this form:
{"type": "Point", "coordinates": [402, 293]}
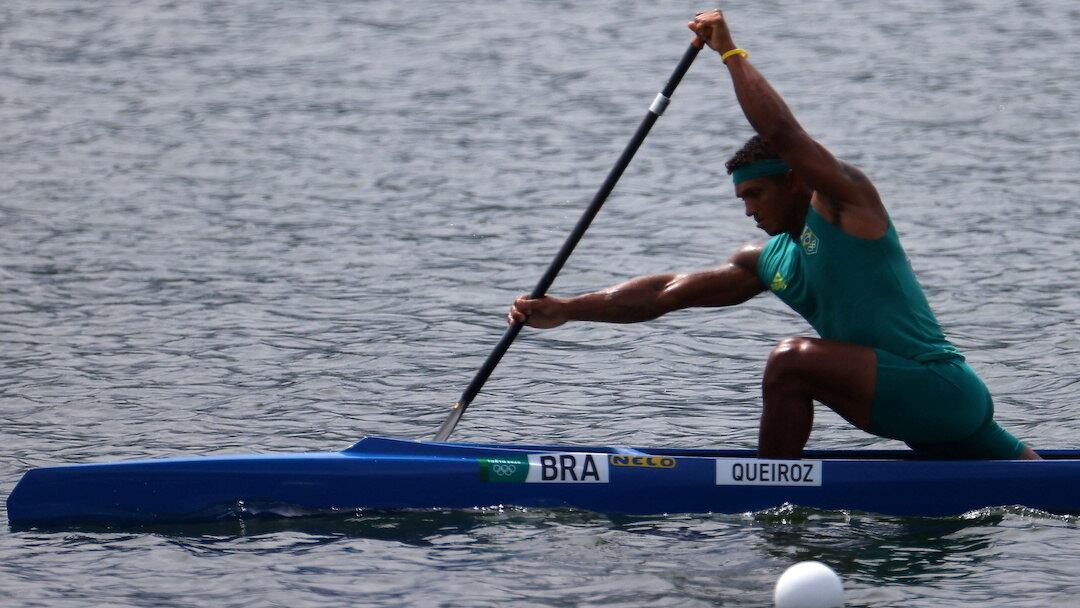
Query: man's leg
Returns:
{"type": "Point", "coordinates": [801, 370]}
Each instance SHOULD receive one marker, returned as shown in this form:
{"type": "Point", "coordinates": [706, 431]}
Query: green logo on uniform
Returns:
{"type": "Point", "coordinates": [778, 283]}
{"type": "Point", "coordinates": [513, 469]}
{"type": "Point", "coordinates": [809, 241]}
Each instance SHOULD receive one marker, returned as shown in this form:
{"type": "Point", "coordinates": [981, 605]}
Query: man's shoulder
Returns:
{"type": "Point", "coordinates": [861, 212]}
{"type": "Point", "coordinates": [748, 253]}
{"type": "Point", "coordinates": [748, 256]}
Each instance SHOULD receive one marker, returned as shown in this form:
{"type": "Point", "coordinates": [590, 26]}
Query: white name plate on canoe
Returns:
{"type": "Point", "coordinates": [565, 467]}
{"type": "Point", "coordinates": [759, 472]}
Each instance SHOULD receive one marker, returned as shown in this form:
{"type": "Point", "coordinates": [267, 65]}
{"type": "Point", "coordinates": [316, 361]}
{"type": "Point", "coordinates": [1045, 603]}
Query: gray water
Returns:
{"type": "Point", "coordinates": [255, 226]}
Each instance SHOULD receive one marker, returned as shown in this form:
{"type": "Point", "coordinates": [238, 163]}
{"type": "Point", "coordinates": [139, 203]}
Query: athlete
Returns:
{"type": "Point", "coordinates": [882, 361]}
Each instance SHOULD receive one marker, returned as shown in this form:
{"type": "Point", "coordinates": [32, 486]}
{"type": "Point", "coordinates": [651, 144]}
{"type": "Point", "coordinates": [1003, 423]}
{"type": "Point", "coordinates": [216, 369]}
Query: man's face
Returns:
{"type": "Point", "coordinates": [769, 201]}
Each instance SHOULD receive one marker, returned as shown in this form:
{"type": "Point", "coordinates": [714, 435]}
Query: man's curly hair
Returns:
{"type": "Point", "coordinates": [753, 150]}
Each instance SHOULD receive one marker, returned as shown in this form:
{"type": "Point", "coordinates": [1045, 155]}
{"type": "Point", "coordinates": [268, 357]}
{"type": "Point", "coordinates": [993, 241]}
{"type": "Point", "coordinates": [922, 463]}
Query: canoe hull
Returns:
{"type": "Point", "coordinates": [380, 473]}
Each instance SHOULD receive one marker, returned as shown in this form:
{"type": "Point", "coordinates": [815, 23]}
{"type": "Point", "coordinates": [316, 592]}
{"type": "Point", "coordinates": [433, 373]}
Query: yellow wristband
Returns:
{"type": "Point", "coordinates": [732, 53]}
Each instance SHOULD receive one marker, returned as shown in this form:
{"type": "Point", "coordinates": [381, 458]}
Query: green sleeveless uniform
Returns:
{"type": "Point", "coordinates": [863, 291]}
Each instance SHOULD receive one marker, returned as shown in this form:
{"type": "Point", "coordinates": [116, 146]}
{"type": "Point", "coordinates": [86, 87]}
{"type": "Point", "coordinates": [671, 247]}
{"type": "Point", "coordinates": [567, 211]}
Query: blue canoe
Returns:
{"type": "Point", "coordinates": [380, 473]}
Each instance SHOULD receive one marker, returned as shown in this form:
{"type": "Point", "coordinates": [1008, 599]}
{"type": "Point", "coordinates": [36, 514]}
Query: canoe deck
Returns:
{"type": "Point", "coordinates": [383, 473]}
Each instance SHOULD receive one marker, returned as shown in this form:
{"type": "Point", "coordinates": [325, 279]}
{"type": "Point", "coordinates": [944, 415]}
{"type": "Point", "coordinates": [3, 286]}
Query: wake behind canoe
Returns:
{"type": "Point", "coordinates": [382, 473]}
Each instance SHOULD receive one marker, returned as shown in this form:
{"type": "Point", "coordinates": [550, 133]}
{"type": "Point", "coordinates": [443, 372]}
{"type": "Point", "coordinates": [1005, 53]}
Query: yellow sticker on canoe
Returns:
{"type": "Point", "coordinates": [648, 462]}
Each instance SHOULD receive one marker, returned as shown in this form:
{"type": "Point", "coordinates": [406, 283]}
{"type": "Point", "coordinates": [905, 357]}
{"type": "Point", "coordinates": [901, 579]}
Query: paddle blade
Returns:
{"type": "Point", "coordinates": [451, 421]}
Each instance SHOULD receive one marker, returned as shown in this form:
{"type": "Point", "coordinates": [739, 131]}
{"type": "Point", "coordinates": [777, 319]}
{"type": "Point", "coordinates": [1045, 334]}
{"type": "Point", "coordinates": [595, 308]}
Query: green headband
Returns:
{"type": "Point", "coordinates": [761, 168]}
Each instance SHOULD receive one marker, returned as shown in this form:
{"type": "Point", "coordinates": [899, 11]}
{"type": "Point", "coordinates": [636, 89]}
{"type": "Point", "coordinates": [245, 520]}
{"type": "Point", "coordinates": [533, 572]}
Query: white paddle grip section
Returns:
{"type": "Point", "coordinates": [659, 104]}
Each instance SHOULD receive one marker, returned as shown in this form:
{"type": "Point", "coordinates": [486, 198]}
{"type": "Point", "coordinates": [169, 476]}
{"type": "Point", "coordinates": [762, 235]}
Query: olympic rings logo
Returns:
{"type": "Point", "coordinates": [503, 469]}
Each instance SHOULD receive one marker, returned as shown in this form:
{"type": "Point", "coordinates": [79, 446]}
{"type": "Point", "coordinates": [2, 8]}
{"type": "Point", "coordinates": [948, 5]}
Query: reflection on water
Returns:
{"type": "Point", "coordinates": [871, 548]}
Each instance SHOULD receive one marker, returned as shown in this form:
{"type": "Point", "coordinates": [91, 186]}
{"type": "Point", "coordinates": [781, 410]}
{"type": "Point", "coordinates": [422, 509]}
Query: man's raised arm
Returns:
{"type": "Point", "coordinates": [773, 120]}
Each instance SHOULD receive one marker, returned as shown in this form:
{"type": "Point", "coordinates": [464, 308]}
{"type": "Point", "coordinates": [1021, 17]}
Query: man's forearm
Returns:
{"type": "Point", "coordinates": [633, 301]}
{"type": "Point", "coordinates": [762, 105]}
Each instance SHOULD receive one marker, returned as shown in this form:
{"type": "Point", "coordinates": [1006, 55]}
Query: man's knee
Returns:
{"type": "Point", "coordinates": [786, 362]}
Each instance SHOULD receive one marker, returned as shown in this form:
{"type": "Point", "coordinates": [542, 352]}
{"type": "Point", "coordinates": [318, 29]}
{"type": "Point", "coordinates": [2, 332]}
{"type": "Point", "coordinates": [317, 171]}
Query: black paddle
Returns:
{"type": "Point", "coordinates": [655, 110]}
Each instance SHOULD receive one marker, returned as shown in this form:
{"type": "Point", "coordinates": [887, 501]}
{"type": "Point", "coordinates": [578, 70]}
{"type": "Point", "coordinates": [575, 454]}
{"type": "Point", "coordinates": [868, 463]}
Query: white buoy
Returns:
{"type": "Point", "coordinates": [809, 585]}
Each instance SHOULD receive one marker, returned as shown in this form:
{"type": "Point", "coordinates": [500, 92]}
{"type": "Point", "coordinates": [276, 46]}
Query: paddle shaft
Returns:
{"type": "Point", "coordinates": [655, 110]}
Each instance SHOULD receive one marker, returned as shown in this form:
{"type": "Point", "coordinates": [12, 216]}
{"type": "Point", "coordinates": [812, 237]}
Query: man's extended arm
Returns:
{"type": "Point", "coordinates": [646, 298]}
